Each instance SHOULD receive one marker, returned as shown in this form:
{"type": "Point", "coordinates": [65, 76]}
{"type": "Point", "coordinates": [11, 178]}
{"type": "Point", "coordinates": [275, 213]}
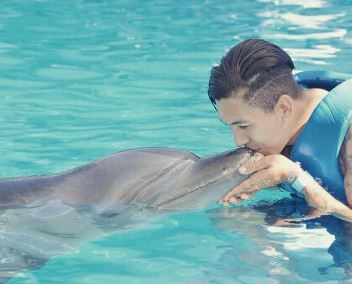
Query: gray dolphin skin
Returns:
{"type": "Point", "coordinates": [42, 216]}
{"type": "Point", "coordinates": [158, 178]}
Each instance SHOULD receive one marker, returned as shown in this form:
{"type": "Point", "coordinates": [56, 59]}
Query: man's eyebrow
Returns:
{"type": "Point", "coordinates": [234, 122]}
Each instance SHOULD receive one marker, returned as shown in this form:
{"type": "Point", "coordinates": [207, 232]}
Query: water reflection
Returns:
{"type": "Point", "coordinates": [339, 33]}
{"type": "Point", "coordinates": [310, 21]}
{"type": "Point", "coordinates": [311, 32]}
{"type": "Point", "coordinates": [292, 233]}
{"type": "Point", "coordinates": [301, 3]}
{"type": "Point", "coordinates": [31, 236]}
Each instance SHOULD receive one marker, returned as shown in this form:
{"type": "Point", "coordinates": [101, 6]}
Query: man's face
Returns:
{"type": "Point", "coordinates": [253, 127]}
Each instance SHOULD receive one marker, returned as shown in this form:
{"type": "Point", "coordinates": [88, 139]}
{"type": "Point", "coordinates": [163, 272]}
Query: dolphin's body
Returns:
{"type": "Point", "coordinates": [152, 177]}
{"type": "Point", "coordinates": [41, 216]}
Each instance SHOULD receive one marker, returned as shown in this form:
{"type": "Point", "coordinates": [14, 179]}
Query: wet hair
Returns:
{"type": "Point", "coordinates": [256, 70]}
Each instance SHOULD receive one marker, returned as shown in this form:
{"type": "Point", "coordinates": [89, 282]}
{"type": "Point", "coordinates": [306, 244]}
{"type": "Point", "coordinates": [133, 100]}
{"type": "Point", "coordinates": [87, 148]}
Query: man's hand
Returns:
{"type": "Point", "coordinates": [265, 171]}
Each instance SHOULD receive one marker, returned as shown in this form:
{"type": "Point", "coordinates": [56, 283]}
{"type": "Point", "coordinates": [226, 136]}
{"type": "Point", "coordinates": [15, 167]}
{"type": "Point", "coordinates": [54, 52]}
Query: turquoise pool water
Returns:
{"type": "Point", "coordinates": [83, 79]}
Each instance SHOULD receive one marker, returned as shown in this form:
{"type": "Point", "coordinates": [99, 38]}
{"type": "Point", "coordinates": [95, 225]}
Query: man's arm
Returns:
{"type": "Point", "coordinates": [269, 171]}
{"type": "Point", "coordinates": [334, 207]}
{"type": "Point", "coordinates": [316, 196]}
{"type": "Point", "coordinates": [346, 164]}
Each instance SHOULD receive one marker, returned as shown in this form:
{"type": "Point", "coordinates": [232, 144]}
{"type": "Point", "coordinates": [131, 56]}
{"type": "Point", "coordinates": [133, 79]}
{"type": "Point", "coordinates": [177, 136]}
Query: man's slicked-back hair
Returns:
{"type": "Point", "coordinates": [255, 70]}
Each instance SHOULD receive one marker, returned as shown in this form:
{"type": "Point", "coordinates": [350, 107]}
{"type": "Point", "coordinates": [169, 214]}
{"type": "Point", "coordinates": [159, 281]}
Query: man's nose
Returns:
{"type": "Point", "coordinates": [240, 138]}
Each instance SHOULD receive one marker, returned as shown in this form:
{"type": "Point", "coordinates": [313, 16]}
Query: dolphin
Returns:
{"type": "Point", "coordinates": [160, 178]}
{"type": "Point", "coordinates": [42, 216]}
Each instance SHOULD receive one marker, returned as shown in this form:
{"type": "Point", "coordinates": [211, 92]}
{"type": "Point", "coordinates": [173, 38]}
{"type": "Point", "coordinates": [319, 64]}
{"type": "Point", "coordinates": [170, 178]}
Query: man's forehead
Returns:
{"type": "Point", "coordinates": [231, 107]}
{"type": "Point", "coordinates": [233, 111]}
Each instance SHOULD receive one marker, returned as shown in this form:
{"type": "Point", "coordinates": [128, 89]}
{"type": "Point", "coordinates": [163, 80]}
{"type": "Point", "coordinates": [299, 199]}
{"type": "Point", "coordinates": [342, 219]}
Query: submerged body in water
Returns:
{"type": "Point", "coordinates": [42, 216]}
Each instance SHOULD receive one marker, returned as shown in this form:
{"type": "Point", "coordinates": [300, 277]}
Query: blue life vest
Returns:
{"type": "Point", "coordinates": [318, 145]}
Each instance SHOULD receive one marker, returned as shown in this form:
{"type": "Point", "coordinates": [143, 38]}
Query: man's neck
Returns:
{"type": "Point", "coordinates": [304, 109]}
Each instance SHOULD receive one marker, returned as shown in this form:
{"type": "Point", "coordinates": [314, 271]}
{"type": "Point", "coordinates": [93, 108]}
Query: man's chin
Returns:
{"type": "Point", "coordinates": [264, 152]}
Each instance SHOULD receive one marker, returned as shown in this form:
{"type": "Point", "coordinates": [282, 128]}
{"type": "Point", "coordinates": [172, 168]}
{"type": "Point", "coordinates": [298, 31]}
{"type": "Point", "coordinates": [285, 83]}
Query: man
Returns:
{"type": "Point", "coordinates": [255, 94]}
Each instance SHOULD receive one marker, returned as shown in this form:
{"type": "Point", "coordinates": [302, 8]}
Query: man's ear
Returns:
{"type": "Point", "coordinates": [284, 107]}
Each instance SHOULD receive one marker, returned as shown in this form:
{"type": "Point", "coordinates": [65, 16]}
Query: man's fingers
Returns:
{"type": "Point", "coordinates": [246, 195]}
{"type": "Point", "coordinates": [232, 200]}
{"type": "Point", "coordinates": [255, 182]}
{"type": "Point", "coordinates": [243, 187]}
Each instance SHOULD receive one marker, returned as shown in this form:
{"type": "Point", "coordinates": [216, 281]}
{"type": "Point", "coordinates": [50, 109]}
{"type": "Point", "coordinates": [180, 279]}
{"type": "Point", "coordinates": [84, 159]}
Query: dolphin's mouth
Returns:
{"type": "Point", "coordinates": [225, 174]}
